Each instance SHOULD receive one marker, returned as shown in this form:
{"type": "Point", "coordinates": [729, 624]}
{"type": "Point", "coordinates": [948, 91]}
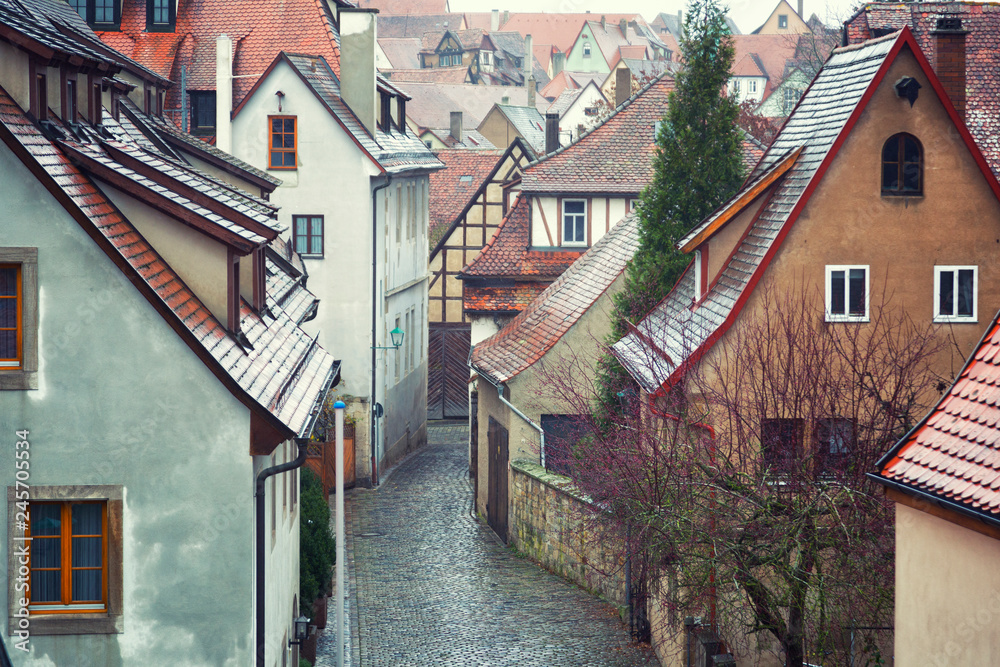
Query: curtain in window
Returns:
{"type": "Point", "coordinates": [46, 552]}
{"type": "Point", "coordinates": [316, 236]}
{"type": "Point", "coordinates": [87, 552]}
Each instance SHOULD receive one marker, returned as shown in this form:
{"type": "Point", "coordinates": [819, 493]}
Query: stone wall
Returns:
{"type": "Point", "coordinates": [547, 525]}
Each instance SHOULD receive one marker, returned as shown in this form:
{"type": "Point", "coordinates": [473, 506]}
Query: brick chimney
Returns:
{"type": "Point", "coordinates": [357, 63]}
{"type": "Point", "coordinates": [551, 131]}
{"type": "Point", "coordinates": [495, 20]}
{"type": "Point", "coordinates": [623, 85]}
{"type": "Point", "coordinates": [623, 26]}
{"type": "Point", "coordinates": [949, 56]}
{"type": "Point", "coordinates": [529, 56]}
{"type": "Point", "coordinates": [801, 15]}
{"type": "Point", "coordinates": [456, 125]}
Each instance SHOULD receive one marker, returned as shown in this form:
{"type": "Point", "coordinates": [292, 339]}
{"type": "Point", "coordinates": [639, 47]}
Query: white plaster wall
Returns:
{"type": "Point", "coordinates": [744, 92]}
{"type": "Point", "coordinates": [575, 115]}
{"type": "Point", "coordinates": [546, 218]}
{"type": "Point", "coordinates": [124, 401]}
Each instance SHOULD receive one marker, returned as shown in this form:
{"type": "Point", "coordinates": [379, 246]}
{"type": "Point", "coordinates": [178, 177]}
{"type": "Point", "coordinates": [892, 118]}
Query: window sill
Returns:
{"type": "Point", "coordinates": [16, 380]}
{"type": "Point", "coordinates": [567, 244]}
{"type": "Point", "coordinates": [73, 624]}
{"type": "Point", "coordinates": [903, 195]}
{"type": "Point", "coordinates": [282, 168]}
{"type": "Point", "coordinates": [310, 256]}
{"type": "Point", "coordinates": [841, 319]}
{"type": "Point", "coordinates": [942, 319]}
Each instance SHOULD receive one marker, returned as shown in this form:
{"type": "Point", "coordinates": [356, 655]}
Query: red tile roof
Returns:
{"type": "Point", "coordinates": [415, 25]}
{"type": "Point", "coordinates": [526, 338]}
{"type": "Point", "coordinates": [982, 21]}
{"type": "Point", "coordinates": [391, 7]}
{"type": "Point", "coordinates": [954, 453]}
{"type": "Point", "coordinates": [767, 53]}
{"type": "Point", "coordinates": [258, 32]}
{"type": "Point", "coordinates": [507, 299]}
{"type": "Point", "coordinates": [284, 377]}
{"type": "Point", "coordinates": [452, 187]}
{"type": "Point", "coordinates": [560, 82]}
{"type": "Point", "coordinates": [615, 157]}
{"type": "Point", "coordinates": [560, 30]}
{"type": "Point", "coordinates": [508, 254]}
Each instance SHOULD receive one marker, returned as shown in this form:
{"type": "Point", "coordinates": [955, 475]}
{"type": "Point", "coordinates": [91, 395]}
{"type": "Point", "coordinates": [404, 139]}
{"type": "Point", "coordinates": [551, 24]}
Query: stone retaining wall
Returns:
{"type": "Point", "coordinates": [547, 525]}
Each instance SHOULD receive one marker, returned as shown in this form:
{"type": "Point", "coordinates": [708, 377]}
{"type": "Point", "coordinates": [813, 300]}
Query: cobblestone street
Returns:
{"type": "Point", "coordinates": [429, 585]}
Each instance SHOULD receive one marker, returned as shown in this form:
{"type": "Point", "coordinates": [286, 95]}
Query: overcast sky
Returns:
{"type": "Point", "coordinates": [748, 14]}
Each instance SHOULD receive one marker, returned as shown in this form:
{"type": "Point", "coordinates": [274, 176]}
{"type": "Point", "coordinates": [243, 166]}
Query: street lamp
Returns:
{"type": "Point", "coordinates": [396, 335]}
{"type": "Point", "coordinates": [301, 631]}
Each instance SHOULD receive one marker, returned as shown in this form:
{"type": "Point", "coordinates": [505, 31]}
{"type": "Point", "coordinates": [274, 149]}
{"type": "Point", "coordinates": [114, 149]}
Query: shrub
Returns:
{"type": "Point", "coordinates": [317, 552]}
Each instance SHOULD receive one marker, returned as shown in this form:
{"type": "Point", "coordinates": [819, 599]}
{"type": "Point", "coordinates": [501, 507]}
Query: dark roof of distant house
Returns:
{"type": "Point", "coordinates": [415, 25]}
{"type": "Point", "coordinates": [511, 42]}
{"type": "Point", "coordinates": [432, 103]}
{"type": "Point", "coordinates": [393, 151]}
{"type": "Point", "coordinates": [798, 157]}
{"type": "Point", "coordinates": [559, 29]}
{"type": "Point", "coordinates": [953, 454]}
{"type": "Point", "coordinates": [453, 75]}
{"type": "Point", "coordinates": [451, 187]}
{"type": "Point", "coordinates": [542, 323]}
{"type": "Point", "coordinates": [468, 39]}
{"type": "Point", "coordinates": [614, 157]}
{"type": "Point", "coordinates": [402, 52]}
{"type": "Point", "coordinates": [982, 54]}
{"type": "Point", "coordinates": [528, 122]}
{"type": "Point", "coordinates": [509, 255]}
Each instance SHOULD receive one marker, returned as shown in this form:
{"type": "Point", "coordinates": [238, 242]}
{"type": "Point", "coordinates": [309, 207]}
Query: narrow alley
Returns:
{"type": "Point", "coordinates": [429, 585]}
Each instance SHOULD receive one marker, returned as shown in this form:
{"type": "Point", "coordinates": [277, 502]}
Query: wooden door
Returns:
{"type": "Point", "coordinates": [448, 370]}
{"type": "Point", "coordinates": [496, 503]}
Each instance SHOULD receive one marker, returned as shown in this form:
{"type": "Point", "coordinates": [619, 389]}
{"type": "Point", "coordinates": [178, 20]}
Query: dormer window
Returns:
{"type": "Point", "coordinates": [202, 112]}
{"type": "Point", "coordinates": [902, 166]}
{"type": "Point", "coordinates": [486, 58]}
{"type": "Point", "coordinates": [160, 16]}
{"type": "Point", "coordinates": [69, 102]}
{"type": "Point", "coordinates": [782, 21]}
{"type": "Point", "coordinates": [99, 14]}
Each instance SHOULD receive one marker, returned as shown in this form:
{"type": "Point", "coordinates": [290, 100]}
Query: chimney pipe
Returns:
{"type": "Point", "coordinates": [223, 93]}
{"type": "Point", "coordinates": [529, 56]}
{"type": "Point", "coordinates": [551, 131]}
{"type": "Point", "coordinates": [949, 48]}
{"type": "Point", "coordinates": [531, 91]}
{"type": "Point", "coordinates": [801, 15]}
{"type": "Point", "coordinates": [623, 85]}
{"type": "Point", "coordinates": [505, 100]}
{"type": "Point", "coordinates": [357, 72]}
{"type": "Point", "coordinates": [495, 20]}
{"type": "Point", "coordinates": [456, 125]}
{"type": "Point", "coordinates": [506, 17]}
{"type": "Point", "coordinates": [623, 26]}
{"type": "Point", "coordinates": [604, 23]}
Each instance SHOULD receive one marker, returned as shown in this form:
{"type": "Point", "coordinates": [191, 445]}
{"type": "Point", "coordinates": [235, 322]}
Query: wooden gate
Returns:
{"type": "Point", "coordinates": [321, 457]}
{"type": "Point", "coordinates": [496, 502]}
{"type": "Point", "coordinates": [448, 370]}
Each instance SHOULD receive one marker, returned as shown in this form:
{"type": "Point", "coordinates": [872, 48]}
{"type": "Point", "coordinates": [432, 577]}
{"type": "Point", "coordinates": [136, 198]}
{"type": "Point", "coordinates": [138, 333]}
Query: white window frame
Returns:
{"type": "Point", "coordinates": [586, 49]}
{"type": "Point", "coordinates": [846, 268]}
{"type": "Point", "coordinates": [938, 270]}
{"type": "Point", "coordinates": [562, 223]}
{"type": "Point", "coordinates": [753, 86]}
{"type": "Point", "coordinates": [487, 58]}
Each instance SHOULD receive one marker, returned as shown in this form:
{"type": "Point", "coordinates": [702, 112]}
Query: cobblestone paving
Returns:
{"type": "Point", "coordinates": [431, 586]}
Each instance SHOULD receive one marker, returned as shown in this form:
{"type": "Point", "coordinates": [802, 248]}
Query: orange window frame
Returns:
{"type": "Point", "coordinates": [66, 604]}
{"type": "Point", "coordinates": [18, 298]}
{"type": "Point", "coordinates": [281, 149]}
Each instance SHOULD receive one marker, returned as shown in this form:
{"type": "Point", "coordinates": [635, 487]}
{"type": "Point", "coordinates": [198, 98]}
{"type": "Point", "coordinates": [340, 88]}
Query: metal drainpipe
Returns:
{"type": "Point", "coordinates": [371, 436]}
{"type": "Point", "coordinates": [259, 511]}
{"type": "Point", "coordinates": [541, 433]}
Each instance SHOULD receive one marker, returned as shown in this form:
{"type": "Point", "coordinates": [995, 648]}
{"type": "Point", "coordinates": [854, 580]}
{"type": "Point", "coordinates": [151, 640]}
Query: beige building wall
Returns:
{"type": "Point", "coordinates": [793, 23]}
{"type": "Point", "coordinates": [602, 214]}
{"type": "Point", "coordinates": [947, 593]}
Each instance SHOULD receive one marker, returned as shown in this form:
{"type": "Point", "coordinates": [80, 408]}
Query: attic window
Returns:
{"type": "Point", "coordinates": [99, 14]}
{"type": "Point", "coordinates": [202, 112]}
{"type": "Point", "coordinates": [902, 166]}
{"type": "Point", "coordinates": [160, 16]}
{"type": "Point", "coordinates": [782, 21]}
{"type": "Point", "coordinates": [586, 49]}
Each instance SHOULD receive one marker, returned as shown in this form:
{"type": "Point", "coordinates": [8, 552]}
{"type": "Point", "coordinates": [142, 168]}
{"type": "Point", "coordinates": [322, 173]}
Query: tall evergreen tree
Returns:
{"type": "Point", "coordinates": [698, 165]}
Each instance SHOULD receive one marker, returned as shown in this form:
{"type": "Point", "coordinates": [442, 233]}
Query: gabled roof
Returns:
{"type": "Point", "coordinates": [258, 32]}
{"type": "Point", "coordinates": [530, 335]}
{"type": "Point", "coordinates": [560, 83]}
{"type": "Point", "coordinates": [952, 456]}
{"type": "Point", "coordinates": [467, 39]}
{"type": "Point", "coordinates": [392, 152]}
{"type": "Point", "coordinates": [510, 42]}
{"type": "Point", "coordinates": [564, 101]}
{"type": "Point", "coordinates": [401, 51]}
{"type": "Point", "coordinates": [674, 334]}
{"type": "Point", "coordinates": [749, 65]}
{"type": "Point", "coordinates": [528, 122]}
{"type": "Point", "coordinates": [509, 255]}
{"type": "Point", "coordinates": [559, 30]}
{"type": "Point", "coordinates": [415, 25]}
{"type": "Point", "coordinates": [282, 375]}
{"type": "Point", "coordinates": [610, 39]}
{"type": "Point", "coordinates": [767, 54]}
{"type": "Point", "coordinates": [452, 187]}
{"type": "Point", "coordinates": [982, 44]}
{"type": "Point", "coordinates": [614, 157]}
